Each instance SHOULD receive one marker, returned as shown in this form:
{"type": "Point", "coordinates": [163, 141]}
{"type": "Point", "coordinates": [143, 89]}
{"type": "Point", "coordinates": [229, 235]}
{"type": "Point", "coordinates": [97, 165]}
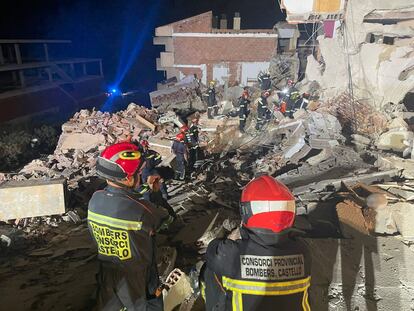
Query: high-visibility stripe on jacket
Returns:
{"type": "Point", "coordinates": [259, 272]}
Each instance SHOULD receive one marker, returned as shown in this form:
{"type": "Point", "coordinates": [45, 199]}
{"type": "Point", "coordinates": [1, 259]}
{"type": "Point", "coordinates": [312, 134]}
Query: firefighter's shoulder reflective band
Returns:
{"type": "Point", "coordinates": [115, 222]}
{"type": "Point", "coordinates": [266, 288]}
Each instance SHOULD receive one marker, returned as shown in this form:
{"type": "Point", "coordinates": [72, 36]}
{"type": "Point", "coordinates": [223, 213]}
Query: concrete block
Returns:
{"type": "Point", "coordinates": [361, 139]}
{"type": "Point", "coordinates": [403, 214]}
{"type": "Point", "coordinates": [178, 292]}
{"type": "Point", "coordinates": [80, 141]}
{"type": "Point", "coordinates": [32, 198]}
{"type": "Point", "coordinates": [394, 140]}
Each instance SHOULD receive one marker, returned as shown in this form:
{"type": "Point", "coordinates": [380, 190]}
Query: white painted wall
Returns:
{"type": "Point", "coordinates": [220, 72]}
{"type": "Point", "coordinates": [251, 70]}
{"type": "Point", "coordinates": [298, 7]}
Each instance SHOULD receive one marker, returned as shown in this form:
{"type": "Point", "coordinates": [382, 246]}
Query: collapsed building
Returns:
{"type": "Point", "coordinates": [347, 160]}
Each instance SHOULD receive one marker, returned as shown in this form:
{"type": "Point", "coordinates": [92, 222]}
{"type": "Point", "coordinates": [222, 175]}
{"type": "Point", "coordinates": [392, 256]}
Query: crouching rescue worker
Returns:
{"type": "Point", "coordinates": [123, 227]}
{"type": "Point", "coordinates": [267, 269]}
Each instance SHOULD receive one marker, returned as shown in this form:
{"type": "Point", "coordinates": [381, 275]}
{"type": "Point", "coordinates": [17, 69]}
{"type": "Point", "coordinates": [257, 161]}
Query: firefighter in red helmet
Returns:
{"type": "Point", "coordinates": [267, 269]}
{"type": "Point", "coordinates": [123, 226]}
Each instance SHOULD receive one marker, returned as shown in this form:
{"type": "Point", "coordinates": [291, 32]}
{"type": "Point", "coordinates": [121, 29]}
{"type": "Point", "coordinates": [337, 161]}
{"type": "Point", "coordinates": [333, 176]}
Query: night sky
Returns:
{"type": "Point", "coordinates": [120, 31]}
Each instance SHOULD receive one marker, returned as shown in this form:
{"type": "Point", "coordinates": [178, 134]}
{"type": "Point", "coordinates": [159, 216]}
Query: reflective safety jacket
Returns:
{"type": "Point", "coordinates": [261, 106]}
{"type": "Point", "coordinates": [211, 99]}
{"type": "Point", "coordinates": [261, 271]}
{"type": "Point", "coordinates": [122, 225]}
{"type": "Point", "coordinates": [152, 159]}
{"type": "Point", "coordinates": [264, 81]}
{"type": "Point", "coordinates": [194, 133]}
{"type": "Point", "coordinates": [243, 107]}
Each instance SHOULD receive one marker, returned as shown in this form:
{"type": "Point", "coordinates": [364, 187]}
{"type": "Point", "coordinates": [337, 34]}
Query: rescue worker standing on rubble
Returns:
{"type": "Point", "coordinates": [212, 107]}
{"type": "Point", "coordinates": [267, 269]}
{"type": "Point", "coordinates": [180, 150]}
{"type": "Point", "coordinates": [194, 132]}
{"type": "Point", "coordinates": [262, 110]}
{"type": "Point", "coordinates": [264, 80]}
{"type": "Point", "coordinates": [123, 227]}
{"type": "Point", "coordinates": [292, 98]}
{"type": "Point", "coordinates": [244, 102]}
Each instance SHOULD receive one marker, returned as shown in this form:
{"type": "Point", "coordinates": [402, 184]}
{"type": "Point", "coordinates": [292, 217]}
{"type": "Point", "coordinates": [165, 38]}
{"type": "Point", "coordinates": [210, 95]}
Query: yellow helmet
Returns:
{"type": "Point", "coordinates": [212, 83]}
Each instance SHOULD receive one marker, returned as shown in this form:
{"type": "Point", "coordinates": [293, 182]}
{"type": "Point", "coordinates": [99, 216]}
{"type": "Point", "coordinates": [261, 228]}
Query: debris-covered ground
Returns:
{"type": "Point", "coordinates": [354, 195]}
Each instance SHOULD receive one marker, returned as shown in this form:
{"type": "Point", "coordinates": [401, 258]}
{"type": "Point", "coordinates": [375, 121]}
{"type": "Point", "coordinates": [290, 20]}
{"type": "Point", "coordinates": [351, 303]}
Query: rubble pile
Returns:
{"type": "Point", "coordinates": [180, 96]}
{"type": "Point", "coordinates": [82, 138]}
{"type": "Point", "coordinates": [355, 116]}
{"type": "Point", "coordinates": [339, 195]}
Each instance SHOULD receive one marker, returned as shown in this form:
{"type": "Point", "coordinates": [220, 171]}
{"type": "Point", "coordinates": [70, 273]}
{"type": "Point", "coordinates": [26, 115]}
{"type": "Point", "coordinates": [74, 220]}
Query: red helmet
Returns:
{"type": "Point", "coordinates": [144, 143]}
{"type": "Point", "coordinates": [179, 137]}
{"type": "Point", "coordinates": [290, 82]}
{"type": "Point", "coordinates": [184, 129]}
{"type": "Point", "coordinates": [119, 161]}
{"type": "Point", "coordinates": [267, 204]}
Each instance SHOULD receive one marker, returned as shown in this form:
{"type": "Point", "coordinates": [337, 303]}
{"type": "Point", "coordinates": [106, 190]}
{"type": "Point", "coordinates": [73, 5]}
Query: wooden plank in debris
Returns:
{"type": "Point", "coordinates": [32, 198]}
{"type": "Point", "coordinates": [145, 122]}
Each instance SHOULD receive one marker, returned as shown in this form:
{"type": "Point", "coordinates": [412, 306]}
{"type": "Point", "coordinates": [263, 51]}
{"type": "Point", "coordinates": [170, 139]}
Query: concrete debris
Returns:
{"type": "Point", "coordinates": [22, 199]}
{"type": "Point", "coordinates": [403, 215]}
{"type": "Point", "coordinates": [331, 181]}
{"type": "Point", "coordinates": [214, 230]}
{"type": "Point", "coordinates": [180, 96]}
{"type": "Point", "coordinates": [179, 289]}
{"type": "Point", "coordinates": [396, 140]}
{"type": "Point", "coordinates": [166, 257]}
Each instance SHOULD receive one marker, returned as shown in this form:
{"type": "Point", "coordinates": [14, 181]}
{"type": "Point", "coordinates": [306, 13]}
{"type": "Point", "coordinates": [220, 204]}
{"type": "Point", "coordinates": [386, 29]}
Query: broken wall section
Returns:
{"type": "Point", "coordinates": [381, 69]}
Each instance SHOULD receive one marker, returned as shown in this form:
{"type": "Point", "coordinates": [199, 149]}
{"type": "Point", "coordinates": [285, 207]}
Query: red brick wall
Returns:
{"type": "Point", "coordinates": [205, 50]}
{"type": "Point", "coordinates": [198, 23]}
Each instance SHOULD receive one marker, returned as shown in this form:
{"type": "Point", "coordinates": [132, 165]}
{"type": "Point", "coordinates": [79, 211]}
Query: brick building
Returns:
{"type": "Point", "coordinates": [194, 46]}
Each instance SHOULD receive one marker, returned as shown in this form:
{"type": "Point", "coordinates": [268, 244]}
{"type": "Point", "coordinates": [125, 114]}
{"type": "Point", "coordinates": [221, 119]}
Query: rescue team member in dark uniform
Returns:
{"type": "Point", "coordinates": [151, 191]}
{"type": "Point", "coordinates": [292, 98]}
{"type": "Point", "coordinates": [262, 110]}
{"type": "Point", "coordinates": [264, 80]}
{"type": "Point", "coordinates": [180, 150]}
{"type": "Point", "coordinates": [212, 107]}
{"type": "Point", "coordinates": [267, 269]}
{"type": "Point", "coordinates": [243, 109]}
{"type": "Point", "coordinates": [123, 227]}
{"type": "Point", "coordinates": [194, 132]}
{"type": "Point", "coordinates": [151, 158]}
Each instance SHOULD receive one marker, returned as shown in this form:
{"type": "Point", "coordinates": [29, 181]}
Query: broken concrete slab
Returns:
{"type": "Point", "coordinates": [336, 183]}
{"type": "Point", "coordinates": [178, 292]}
{"type": "Point", "coordinates": [395, 140]}
{"type": "Point", "coordinates": [214, 230]}
{"type": "Point", "coordinates": [32, 198]}
{"type": "Point", "coordinates": [80, 141]}
{"type": "Point", "coordinates": [405, 165]}
{"type": "Point", "coordinates": [403, 215]}
{"type": "Point", "coordinates": [406, 194]}
{"type": "Point", "coordinates": [356, 138]}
